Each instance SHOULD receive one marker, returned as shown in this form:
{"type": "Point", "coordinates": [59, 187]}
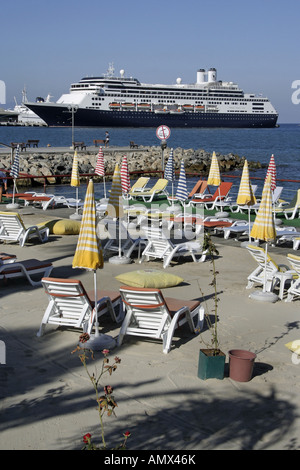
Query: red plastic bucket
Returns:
{"type": "Point", "coordinates": [241, 364]}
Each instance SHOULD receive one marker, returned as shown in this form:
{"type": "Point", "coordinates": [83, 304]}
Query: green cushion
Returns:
{"type": "Point", "coordinates": [149, 278]}
{"type": "Point", "coordinates": [63, 226]}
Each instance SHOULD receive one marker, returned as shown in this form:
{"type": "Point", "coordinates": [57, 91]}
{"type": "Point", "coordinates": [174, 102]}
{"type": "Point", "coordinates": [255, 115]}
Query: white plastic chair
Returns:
{"type": "Point", "coordinates": [123, 241]}
{"type": "Point", "coordinates": [238, 228]}
{"type": "Point", "coordinates": [149, 314]}
{"type": "Point", "coordinates": [13, 229]}
{"type": "Point", "coordinates": [268, 273]}
{"type": "Point", "coordinates": [148, 195]}
{"type": "Point", "coordinates": [70, 305]}
{"type": "Point", "coordinates": [291, 209]}
{"type": "Point", "coordinates": [294, 290]}
{"type": "Point", "coordinates": [161, 247]}
{"type": "Point", "coordinates": [27, 269]}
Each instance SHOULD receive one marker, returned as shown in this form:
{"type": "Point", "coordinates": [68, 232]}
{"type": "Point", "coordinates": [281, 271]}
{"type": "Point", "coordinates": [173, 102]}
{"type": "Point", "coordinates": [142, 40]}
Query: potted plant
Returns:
{"type": "Point", "coordinates": [212, 359]}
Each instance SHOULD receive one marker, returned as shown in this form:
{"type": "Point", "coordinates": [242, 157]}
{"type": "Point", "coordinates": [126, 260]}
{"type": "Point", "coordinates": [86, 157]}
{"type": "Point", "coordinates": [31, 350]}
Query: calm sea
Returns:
{"type": "Point", "coordinates": [254, 144]}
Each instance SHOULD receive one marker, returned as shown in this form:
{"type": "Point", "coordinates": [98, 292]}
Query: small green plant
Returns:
{"type": "Point", "coordinates": [209, 245]}
{"type": "Point", "coordinates": [106, 402]}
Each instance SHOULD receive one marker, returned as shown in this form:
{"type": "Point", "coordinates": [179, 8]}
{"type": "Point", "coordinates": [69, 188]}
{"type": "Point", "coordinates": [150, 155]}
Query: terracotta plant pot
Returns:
{"type": "Point", "coordinates": [241, 364]}
{"type": "Point", "coordinates": [211, 366]}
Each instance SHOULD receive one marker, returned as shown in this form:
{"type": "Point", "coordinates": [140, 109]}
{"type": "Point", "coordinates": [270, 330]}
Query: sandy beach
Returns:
{"type": "Point", "coordinates": [47, 401]}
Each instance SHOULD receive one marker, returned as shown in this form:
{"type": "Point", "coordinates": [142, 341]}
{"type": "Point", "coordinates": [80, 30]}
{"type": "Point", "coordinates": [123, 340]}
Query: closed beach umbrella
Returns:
{"type": "Point", "coordinates": [245, 194]}
{"type": "Point", "coordinates": [89, 255]}
{"type": "Point", "coordinates": [214, 177]}
{"type": "Point", "coordinates": [264, 227]}
{"type": "Point", "coordinates": [100, 170]}
{"type": "Point", "coordinates": [272, 171]}
{"type": "Point", "coordinates": [14, 172]}
{"type": "Point", "coordinates": [75, 180]}
{"type": "Point", "coordinates": [125, 179]}
{"type": "Point", "coordinates": [182, 192]}
{"type": "Point", "coordinates": [115, 204]}
{"type": "Point", "coordinates": [170, 170]}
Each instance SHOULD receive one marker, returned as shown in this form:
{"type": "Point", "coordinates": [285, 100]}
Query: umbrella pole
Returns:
{"type": "Point", "coordinates": [265, 270]}
{"type": "Point", "coordinates": [14, 190]}
{"type": "Point", "coordinates": [120, 239]}
{"type": "Point", "coordinates": [104, 187]}
{"type": "Point", "coordinates": [77, 200]}
{"type": "Point", "coordinates": [96, 313]}
{"type": "Point", "coordinates": [249, 220]}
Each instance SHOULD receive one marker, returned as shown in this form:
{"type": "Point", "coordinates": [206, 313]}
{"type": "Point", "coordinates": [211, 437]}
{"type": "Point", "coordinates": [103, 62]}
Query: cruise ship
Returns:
{"type": "Point", "coordinates": [112, 101]}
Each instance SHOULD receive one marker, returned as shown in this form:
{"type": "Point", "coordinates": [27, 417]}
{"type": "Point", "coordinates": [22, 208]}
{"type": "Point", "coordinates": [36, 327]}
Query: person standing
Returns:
{"type": "Point", "coordinates": [106, 139]}
{"type": "Point", "coordinates": [3, 183]}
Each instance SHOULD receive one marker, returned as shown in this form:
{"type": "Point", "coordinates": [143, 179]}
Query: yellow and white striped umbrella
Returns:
{"type": "Point", "coordinates": [115, 204]}
{"type": "Point", "coordinates": [245, 194]}
{"type": "Point", "coordinates": [214, 177]}
{"type": "Point", "coordinates": [75, 181]}
{"type": "Point", "coordinates": [88, 254]}
{"type": "Point", "coordinates": [264, 227]}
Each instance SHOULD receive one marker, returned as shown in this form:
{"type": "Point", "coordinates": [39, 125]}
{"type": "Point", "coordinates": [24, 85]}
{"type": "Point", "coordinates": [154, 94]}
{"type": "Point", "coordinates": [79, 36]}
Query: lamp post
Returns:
{"type": "Point", "coordinates": [163, 146]}
{"type": "Point", "coordinates": [72, 109]}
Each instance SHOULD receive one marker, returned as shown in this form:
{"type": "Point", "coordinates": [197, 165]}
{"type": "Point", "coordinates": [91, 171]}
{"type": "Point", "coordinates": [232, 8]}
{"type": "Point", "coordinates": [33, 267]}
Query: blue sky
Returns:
{"type": "Point", "coordinates": [50, 44]}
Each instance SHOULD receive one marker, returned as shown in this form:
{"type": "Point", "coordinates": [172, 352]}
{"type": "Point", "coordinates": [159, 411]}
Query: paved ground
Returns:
{"type": "Point", "coordinates": [47, 401]}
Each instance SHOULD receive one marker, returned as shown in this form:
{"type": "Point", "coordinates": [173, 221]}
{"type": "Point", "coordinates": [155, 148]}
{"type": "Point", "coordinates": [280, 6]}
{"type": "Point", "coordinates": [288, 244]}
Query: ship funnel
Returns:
{"type": "Point", "coordinates": [200, 76]}
{"type": "Point", "coordinates": [212, 75]}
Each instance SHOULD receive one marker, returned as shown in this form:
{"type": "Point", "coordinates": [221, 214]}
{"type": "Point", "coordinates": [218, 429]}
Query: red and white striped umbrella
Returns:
{"type": "Point", "coordinates": [272, 171]}
{"type": "Point", "coordinates": [125, 179]}
{"type": "Point", "coordinates": [99, 170]}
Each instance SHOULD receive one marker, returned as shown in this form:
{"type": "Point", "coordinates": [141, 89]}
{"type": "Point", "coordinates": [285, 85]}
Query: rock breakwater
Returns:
{"type": "Point", "coordinates": [56, 167]}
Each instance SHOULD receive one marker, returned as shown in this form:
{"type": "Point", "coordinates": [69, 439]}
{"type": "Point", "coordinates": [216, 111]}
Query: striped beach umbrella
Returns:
{"type": "Point", "coordinates": [264, 227]}
{"type": "Point", "coordinates": [272, 171]}
{"type": "Point", "coordinates": [15, 169]}
{"type": "Point", "coordinates": [214, 177]}
{"type": "Point", "coordinates": [115, 205]}
{"type": "Point", "coordinates": [100, 170]}
{"type": "Point", "coordinates": [245, 195]}
{"type": "Point", "coordinates": [182, 192]}
{"type": "Point", "coordinates": [125, 179]}
{"type": "Point", "coordinates": [75, 180]}
{"type": "Point", "coordinates": [170, 170]}
{"type": "Point", "coordinates": [88, 254]}
{"type": "Point", "coordinates": [14, 172]}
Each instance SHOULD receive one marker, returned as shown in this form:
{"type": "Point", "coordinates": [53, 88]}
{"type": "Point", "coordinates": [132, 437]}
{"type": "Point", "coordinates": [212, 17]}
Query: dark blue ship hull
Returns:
{"type": "Point", "coordinates": [56, 116]}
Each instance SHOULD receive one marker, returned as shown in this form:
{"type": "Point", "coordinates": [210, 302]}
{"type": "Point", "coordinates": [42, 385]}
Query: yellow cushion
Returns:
{"type": "Point", "coordinates": [63, 226]}
{"type": "Point", "coordinates": [294, 346]}
{"type": "Point", "coordinates": [149, 278]}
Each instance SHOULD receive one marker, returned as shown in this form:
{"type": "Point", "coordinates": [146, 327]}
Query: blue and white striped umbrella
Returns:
{"type": "Point", "coordinates": [182, 192]}
{"type": "Point", "coordinates": [14, 172]}
{"type": "Point", "coordinates": [169, 170]}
